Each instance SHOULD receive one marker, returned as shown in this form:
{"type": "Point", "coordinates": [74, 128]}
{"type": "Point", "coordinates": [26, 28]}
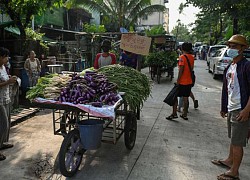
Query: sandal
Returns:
{"type": "Point", "coordinates": [184, 117]}
{"type": "Point", "coordinates": [220, 163]}
{"type": "Point", "coordinates": [172, 116]}
{"type": "Point", "coordinates": [225, 176]}
{"type": "Point", "coordinates": [6, 146]}
{"type": "Point", "coordinates": [196, 105]}
{"type": "Point", "coordinates": [2, 157]}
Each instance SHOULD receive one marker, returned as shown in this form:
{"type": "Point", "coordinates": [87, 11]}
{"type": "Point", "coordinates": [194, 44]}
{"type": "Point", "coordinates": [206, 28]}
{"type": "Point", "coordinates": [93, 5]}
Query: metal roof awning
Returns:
{"type": "Point", "coordinates": [5, 24]}
{"type": "Point", "coordinates": [13, 30]}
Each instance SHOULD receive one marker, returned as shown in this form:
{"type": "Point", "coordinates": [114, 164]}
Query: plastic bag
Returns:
{"type": "Point", "coordinates": [172, 95]}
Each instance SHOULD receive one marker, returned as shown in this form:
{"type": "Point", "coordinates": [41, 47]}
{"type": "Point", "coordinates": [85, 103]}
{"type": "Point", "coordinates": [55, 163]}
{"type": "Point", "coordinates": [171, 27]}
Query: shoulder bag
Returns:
{"type": "Point", "coordinates": [191, 71]}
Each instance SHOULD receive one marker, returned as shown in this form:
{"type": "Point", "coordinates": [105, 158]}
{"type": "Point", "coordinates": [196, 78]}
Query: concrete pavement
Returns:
{"type": "Point", "coordinates": [164, 150]}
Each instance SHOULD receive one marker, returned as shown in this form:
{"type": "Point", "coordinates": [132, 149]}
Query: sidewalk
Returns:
{"type": "Point", "coordinates": [164, 150]}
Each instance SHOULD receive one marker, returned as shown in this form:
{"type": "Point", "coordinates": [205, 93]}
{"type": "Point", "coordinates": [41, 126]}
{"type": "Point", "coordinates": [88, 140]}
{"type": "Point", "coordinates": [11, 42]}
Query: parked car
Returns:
{"type": "Point", "coordinates": [218, 62]}
{"type": "Point", "coordinates": [212, 50]}
{"type": "Point", "coordinates": [246, 53]}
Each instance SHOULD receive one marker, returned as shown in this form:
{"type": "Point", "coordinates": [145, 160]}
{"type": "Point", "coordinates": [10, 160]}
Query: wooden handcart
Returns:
{"type": "Point", "coordinates": [158, 66]}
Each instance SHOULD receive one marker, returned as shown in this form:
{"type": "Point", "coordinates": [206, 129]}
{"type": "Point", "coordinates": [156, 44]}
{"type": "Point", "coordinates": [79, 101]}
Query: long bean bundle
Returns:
{"type": "Point", "coordinates": [134, 83]}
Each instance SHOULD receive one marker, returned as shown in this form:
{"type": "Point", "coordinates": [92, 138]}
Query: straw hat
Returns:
{"type": "Point", "coordinates": [238, 39]}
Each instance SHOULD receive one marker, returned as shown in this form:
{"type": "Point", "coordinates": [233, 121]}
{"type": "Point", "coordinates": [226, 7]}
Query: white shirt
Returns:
{"type": "Point", "coordinates": [233, 88]}
{"type": "Point", "coordinates": [4, 90]}
{"type": "Point", "coordinates": [104, 61]}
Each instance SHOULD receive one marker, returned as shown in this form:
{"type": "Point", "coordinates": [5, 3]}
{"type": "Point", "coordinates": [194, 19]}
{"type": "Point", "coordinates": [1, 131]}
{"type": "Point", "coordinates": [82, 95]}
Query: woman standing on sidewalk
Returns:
{"type": "Point", "coordinates": [5, 81]}
{"type": "Point", "coordinates": [33, 67]}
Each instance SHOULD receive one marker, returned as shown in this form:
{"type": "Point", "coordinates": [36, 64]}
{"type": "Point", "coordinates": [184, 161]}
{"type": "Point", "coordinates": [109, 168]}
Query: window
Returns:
{"type": "Point", "coordinates": [145, 17]}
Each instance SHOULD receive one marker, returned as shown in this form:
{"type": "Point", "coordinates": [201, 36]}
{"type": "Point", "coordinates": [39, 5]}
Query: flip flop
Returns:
{"type": "Point", "coordinates": [2, 157]}
{"type": "Point", "coordinates": [196, 105]}
{"type": "Point", "coordinates": [6, 146]}
{"type": "Point", "coordinates": [184, 117]}
{"type": "Point", "coordinates": [220, 163]}
{"type": "Point", "coordinates": [225, 176]}
{"type": "Point", "coordinates": [172, 117]}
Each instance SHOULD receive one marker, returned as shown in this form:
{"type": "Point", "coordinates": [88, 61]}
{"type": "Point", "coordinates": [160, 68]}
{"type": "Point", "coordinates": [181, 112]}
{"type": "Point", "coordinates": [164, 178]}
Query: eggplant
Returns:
{"type": "Point", "coordinates": [81, 99]}
{"type": "Point", "coordinates": [88, 78]}
{"type": "Point", "coordinates": [63, 99]}
{"type": "Point", "coordinates": [90, 73]}
{"type": "Point", "coordinates": [87, 95]}
{"type": "Point", "coordinates": [97, 104]}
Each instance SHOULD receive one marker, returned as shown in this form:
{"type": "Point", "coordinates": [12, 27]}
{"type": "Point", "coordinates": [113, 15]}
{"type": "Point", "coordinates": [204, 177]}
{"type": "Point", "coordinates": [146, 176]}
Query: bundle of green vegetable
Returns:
{"type": "Point", "coordinates": [135, 84]}
{"type": "Point", "coordinates": [162, 58]}
{"type": "Point", "coordinates": [93, 89]}
{"type": "Point", "coordinates": [48, 87]}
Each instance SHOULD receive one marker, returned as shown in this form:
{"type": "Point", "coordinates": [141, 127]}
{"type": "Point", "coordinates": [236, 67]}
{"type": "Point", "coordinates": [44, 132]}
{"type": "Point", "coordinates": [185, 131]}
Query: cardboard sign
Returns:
{"type": "Point", "coordinates": [135, 43]}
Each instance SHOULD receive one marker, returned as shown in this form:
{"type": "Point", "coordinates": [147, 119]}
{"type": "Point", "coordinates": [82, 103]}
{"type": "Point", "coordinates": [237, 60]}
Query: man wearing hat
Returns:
{"type": "Point", "coordinates": [105, 58]}
{"type": "Point", "coordinates": [235, 104]}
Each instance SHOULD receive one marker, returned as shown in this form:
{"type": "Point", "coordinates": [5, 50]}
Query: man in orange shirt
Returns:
{"type": "Point", "coordinates": [184, 80]}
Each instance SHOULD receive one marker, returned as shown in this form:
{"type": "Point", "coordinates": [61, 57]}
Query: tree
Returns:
{"type": "Point", "coordinates": [120, 13]}
{"type": "Point", "coordinates": [210, 26]}
{"type": "Point", "coordinates": [236, 10]}
{"type": "Point", "coordinates": [183, 33]}
{"type": "Point", "coordinates": [21, 12]}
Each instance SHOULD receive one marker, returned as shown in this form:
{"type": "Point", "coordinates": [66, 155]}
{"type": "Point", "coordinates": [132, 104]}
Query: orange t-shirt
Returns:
{"type": "Point", "coordinates": [186, 79]}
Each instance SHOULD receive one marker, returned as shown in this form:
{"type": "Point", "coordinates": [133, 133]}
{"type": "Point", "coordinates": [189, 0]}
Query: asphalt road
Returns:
{"type": "Point", "coordinates": [164, 150]}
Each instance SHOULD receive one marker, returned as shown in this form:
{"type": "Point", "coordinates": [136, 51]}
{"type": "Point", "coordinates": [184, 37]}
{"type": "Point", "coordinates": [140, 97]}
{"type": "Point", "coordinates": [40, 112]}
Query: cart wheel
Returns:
{"type": "Point", "coordinates": [71, 153]}
{"type": "Point", "coordinates": [130, 130]}
{"type": "Point", "coordinates": [158, 74]}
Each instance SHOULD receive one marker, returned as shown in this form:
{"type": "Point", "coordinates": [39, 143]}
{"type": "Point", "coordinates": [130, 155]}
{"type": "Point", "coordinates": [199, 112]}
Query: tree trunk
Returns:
{"type": "Point", "coordinates": [23, 45]}
{"type": "Point", "coordinates": [235, 26]}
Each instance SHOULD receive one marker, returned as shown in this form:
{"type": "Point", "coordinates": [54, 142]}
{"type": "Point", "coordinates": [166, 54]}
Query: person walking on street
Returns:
{"type": "Point", "coordinates": [33, 68]}
{"type": "Point", "coordinates": [235, 104]}
{"type": "Point", "coordinates": [184, 80]}
{"type": "Point", "coordinates": [105, 58]}
{"type": "Point", "coordinates": [5, 81]}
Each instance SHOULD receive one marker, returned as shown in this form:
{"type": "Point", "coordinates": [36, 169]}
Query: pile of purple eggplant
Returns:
{"type": "Point", "coordinates": [92, 88]}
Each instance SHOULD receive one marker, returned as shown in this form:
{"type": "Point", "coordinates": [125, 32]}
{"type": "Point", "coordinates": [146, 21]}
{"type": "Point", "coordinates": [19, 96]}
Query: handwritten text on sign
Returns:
{"type": "Point", "coordinates": [135, 43]}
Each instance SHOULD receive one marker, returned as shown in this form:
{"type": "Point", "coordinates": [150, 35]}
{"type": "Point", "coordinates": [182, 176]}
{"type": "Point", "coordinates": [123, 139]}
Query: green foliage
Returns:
{"type": "Point", "coordinates": [32, 35]}
{"type": "Point", "coordinates": [156, 30]}
{"type": "Point", "coordinates": [162, 58]}
{"type": "Point", "coordinates": [182, 33]}
{"type": "Point", "coordinates": [92, 28]}
{"type": "Point", "coordinates": [35, 36]}
{"type": "Point", "coordinates": [22, 11]}
{"type": "Point", "coordinates": [216, 22]}
{"type": "Point", "coordinates": [122, 13]}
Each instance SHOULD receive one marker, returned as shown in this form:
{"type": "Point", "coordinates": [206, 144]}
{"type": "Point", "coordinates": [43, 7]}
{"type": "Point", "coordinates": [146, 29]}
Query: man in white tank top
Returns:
{"type": "Point", "coordinates": [235, 103]}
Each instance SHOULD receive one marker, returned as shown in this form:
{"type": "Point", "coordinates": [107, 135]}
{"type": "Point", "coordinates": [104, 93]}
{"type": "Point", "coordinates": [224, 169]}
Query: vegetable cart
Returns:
{"type": "Point", "coordinates": [91, 100]}
{"type": "Point", "coordinates": [158, 71]}
{"type": "Point", "coordinates": [66, 120]}
{"type": "Point", "coordinates": [162, 58]}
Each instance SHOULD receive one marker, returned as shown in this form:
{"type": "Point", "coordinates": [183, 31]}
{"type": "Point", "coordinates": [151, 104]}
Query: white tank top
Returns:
{"type": "Point", "coordinates": [233, 88]}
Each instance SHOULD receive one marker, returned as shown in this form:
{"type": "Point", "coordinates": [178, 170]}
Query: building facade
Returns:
{"type": "Point", "coordinates": [157, 18]}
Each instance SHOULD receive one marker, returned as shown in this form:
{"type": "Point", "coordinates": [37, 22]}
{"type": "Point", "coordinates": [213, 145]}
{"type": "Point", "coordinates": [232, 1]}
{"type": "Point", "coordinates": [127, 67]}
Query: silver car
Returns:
{"type": "Point", "coordinates": [212, 50]}
{"type": "Point", "coordinates": [218, 62]}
